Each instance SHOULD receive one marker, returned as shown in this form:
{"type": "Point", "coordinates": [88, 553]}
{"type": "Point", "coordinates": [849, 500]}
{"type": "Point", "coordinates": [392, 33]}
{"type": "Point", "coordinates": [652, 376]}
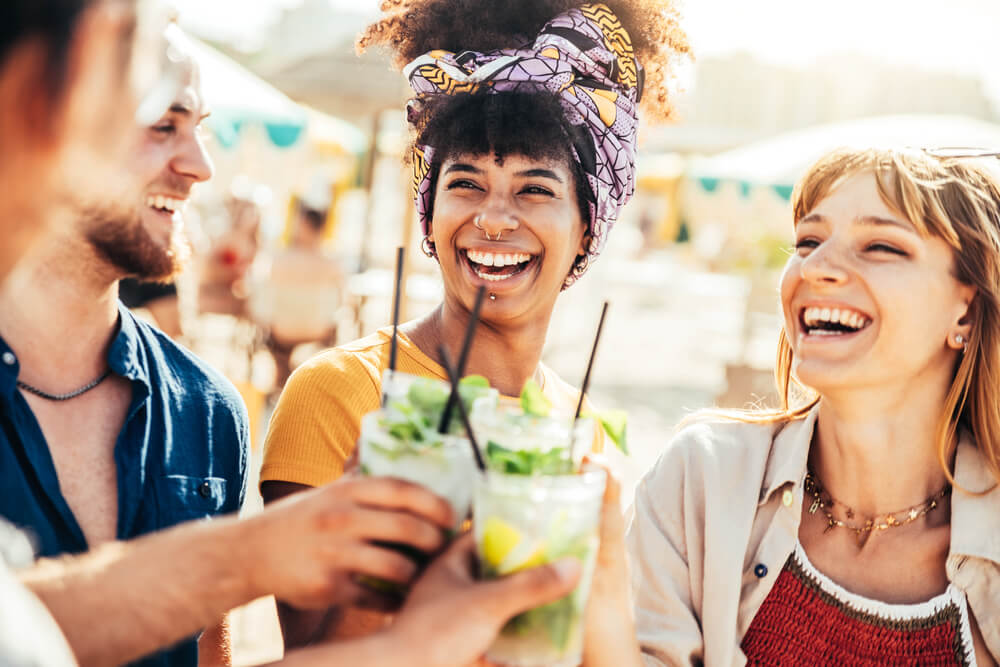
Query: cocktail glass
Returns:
{"type": "Point", "coordinates": [534, 507]}
{"type": "Point", "coordinates": [401, 440]}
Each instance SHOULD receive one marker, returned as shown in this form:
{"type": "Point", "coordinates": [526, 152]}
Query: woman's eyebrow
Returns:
{"type": "Point", "coordinates": [541, 173]}
{"type": "Point", "coordinates": [878, 221]}
{"type": "Point", "coordinates": [463, 167]}
{"type": "Point", "coordinates": [865, 220]}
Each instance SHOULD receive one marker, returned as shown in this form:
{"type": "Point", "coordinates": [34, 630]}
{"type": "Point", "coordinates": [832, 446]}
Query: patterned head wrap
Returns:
{"type": "Point", "coordinates": [584, 56]}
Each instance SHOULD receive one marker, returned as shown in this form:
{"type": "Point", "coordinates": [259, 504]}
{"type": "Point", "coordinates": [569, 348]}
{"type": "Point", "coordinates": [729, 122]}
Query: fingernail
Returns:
{"type": "Point", "coordinates": [566, 568]}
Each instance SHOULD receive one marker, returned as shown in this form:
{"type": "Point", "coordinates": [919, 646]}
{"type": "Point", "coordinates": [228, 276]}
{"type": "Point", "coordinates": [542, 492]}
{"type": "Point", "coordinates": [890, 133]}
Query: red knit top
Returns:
{"type": "Point", "coordinates": [807, 619]}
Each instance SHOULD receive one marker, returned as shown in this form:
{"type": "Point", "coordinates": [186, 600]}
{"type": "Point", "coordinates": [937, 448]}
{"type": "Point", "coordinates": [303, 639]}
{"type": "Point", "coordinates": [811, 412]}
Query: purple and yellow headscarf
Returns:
{"type": "Point", "coordinates": [583, 56]}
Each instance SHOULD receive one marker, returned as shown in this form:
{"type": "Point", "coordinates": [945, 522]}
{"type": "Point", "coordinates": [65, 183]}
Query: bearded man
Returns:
{"type": "Point", "coordinates": [110, 429]}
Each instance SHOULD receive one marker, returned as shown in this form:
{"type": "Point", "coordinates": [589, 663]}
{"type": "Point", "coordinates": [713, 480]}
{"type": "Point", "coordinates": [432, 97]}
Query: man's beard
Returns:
{"type": "Point", "coordinates": [119, 237]}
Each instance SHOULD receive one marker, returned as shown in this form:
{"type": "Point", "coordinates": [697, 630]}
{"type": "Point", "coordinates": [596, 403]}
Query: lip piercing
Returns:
{"type": "Point", "coordinates": [493, 297]}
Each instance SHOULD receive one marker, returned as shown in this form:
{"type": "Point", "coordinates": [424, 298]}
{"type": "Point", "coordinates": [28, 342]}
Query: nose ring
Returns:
{"type": "Point", "coordinates": [478, 224]}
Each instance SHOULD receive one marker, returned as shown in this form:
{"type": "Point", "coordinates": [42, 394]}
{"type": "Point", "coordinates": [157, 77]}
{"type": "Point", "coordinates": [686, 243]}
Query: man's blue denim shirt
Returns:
{"type": "Point", "coordinates": [181, 455]}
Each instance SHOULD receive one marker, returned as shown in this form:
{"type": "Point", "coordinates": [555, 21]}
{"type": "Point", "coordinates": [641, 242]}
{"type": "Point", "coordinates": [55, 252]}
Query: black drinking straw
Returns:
{"type": "Point", "coordinates": [463, 359]}
{"type": "Point", "coordinates": [590, 363]}
{"type": "Point", "coordinates": [586, 380]}
{"type": "Point", "coordinates": [393, 345]}
{"type": "Point", "coordinates": [454, 378]}
{"type": "Point", "coordinates": [395, 308]}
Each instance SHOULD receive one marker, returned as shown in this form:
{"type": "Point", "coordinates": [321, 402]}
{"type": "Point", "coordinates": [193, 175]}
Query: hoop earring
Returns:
{"type": "Point", "coordinates": [579, 268]}
{"type": "Point", "coordinates": [427, 246]}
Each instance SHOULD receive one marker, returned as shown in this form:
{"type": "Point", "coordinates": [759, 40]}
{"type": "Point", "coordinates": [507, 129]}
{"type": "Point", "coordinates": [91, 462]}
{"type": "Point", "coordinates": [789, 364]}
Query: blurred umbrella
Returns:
{"type": "Point", "coordinates": [736, 203]}
{"type": "Point", "coordinates": [333, 136]}
{"type": "Point", "coordinates": [779, 162]}
{"type": "Point", "coordinates": [238, 98]}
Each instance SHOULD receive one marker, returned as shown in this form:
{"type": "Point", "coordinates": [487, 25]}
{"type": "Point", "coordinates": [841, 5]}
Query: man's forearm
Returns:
{"type": "Point", "coordinates": [124, 600]}
{"type": "Point", "coordinates": [379, 650]}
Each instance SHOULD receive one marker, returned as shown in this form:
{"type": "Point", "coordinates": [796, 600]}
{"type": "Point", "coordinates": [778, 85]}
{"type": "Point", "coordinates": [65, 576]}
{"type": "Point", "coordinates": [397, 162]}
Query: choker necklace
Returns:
{"type": "Point", "coordinates": [64, 397]}
{"type": "Point", "coordinates": [825, 503]}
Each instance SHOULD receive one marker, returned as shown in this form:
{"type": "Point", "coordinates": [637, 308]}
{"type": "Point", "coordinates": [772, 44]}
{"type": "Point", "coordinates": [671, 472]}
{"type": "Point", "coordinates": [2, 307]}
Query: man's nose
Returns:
{"type": "Point", "coordinates": [193, 161]}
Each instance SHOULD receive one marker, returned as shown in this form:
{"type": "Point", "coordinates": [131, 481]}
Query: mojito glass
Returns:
{"type": "Point", "coordinates": [444, 464]}
{"type": "Point", "coordinates": [522, 521]}
{"type": "Point", "coordinates": [401, 439]}
{"type": "Point", "coordinates": [525, 444]}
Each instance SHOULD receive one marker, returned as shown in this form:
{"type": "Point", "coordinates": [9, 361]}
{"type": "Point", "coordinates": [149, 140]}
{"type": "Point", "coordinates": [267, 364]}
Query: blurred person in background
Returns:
{"type": "Point", "coordinates": [522, 161]}
{"type": "Point", "coordinates": [224, 269]}
{"type": "Point", "coordinates": [112, 429]}
{"type": "Point", "coordinates": [858, 523]}
{"type": "Point", "coordinates": [297, 293]}
{"type": "Point", "coordinates": [122, 600]}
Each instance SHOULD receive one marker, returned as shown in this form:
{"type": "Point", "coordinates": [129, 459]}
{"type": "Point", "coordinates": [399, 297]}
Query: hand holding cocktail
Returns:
{"type": "Point", "coordinates": [537, 504]}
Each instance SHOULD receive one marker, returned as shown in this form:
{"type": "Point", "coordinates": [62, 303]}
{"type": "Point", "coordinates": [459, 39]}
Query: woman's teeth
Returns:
{"type": "Point", "coordinates": [833, 321]}
{"type": "Point", "coordinates": [491, 259]}
{"type": "Point", "coordinates": [168, 204]}
{"type": "Point", "coordinates": [494, 267]}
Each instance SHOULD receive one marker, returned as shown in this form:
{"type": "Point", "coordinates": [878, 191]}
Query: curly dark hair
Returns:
{"type": "Point", "coordinates": [500, 125]}
{"type": "Point", "coordinates": [411, 28]}
{"type": "Point", "coordinates": [532, 125]}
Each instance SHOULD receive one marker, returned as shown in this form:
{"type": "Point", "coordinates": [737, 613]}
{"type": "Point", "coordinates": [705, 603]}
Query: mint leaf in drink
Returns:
{"type": "Point", "coordinates": [474, 381]}
{"type": "Point", "coordinates": [412, 419]}
{"type": "Point", "coordinates": [405, 431]}
{"type": "Point", "coordinates": [614, 423]}
{"type": "Point", "coordinates": [527, 461]}
{"type": "Point", "coordinates": [557, 620]}
{"type": "Point", "coordinates": [472, 387]}
{"type": "Point", "coordinates": [428, 397]}
{"type": "Point", "coordinates": [507, 460]}
{"type": "Point", "coordinates": [559, 617]}
{"type": "Point", "coordinates": [533, 401]}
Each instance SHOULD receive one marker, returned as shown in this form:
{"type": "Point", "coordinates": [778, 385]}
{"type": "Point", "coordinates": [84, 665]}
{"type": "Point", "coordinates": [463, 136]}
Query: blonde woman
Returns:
{"type": "Point", "coordinates": [860, 523]}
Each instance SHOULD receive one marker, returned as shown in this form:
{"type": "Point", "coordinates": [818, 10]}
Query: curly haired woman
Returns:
{"type": "Point", "coordinates": [525, 120]}
{"type": "Point", "coordinates": [859, 524]}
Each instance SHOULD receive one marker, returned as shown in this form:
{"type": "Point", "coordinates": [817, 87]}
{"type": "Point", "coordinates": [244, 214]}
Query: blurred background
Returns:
{"type": "Point", "coordinates": [294, 238]}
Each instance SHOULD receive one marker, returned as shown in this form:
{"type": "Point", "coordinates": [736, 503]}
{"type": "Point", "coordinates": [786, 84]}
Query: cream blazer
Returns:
{"type": "Point", "coordinates": [716, 518]}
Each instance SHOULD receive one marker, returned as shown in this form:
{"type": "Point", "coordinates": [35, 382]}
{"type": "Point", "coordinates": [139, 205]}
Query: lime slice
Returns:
{"type": "Point", "coordinates": [526, 555]}
{"type": "Point", "coordinates": [499, 540]}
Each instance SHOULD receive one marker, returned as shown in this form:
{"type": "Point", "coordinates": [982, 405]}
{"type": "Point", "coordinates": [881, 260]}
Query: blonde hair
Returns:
{"type": "Point", "coordinates": [957, 200]}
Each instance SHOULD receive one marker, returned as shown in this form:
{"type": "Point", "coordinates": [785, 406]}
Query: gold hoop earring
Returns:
{"type": "Point", "coordinates": [427, 246]}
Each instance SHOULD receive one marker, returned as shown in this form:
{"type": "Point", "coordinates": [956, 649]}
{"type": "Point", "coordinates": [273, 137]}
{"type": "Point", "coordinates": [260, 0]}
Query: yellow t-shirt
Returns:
{"type": "Point", "coordinates": [315, 426]}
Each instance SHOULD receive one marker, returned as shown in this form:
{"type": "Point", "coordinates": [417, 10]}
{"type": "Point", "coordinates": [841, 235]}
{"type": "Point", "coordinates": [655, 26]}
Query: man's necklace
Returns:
{"type": "Point", "coordinates": [64, 397]}
{"type": "Point", "coordinates": [825, 503]}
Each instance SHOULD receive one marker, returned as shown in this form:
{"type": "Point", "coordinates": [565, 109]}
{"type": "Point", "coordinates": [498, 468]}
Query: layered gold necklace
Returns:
{"type": "Point", "coordinates": [863, 529]}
